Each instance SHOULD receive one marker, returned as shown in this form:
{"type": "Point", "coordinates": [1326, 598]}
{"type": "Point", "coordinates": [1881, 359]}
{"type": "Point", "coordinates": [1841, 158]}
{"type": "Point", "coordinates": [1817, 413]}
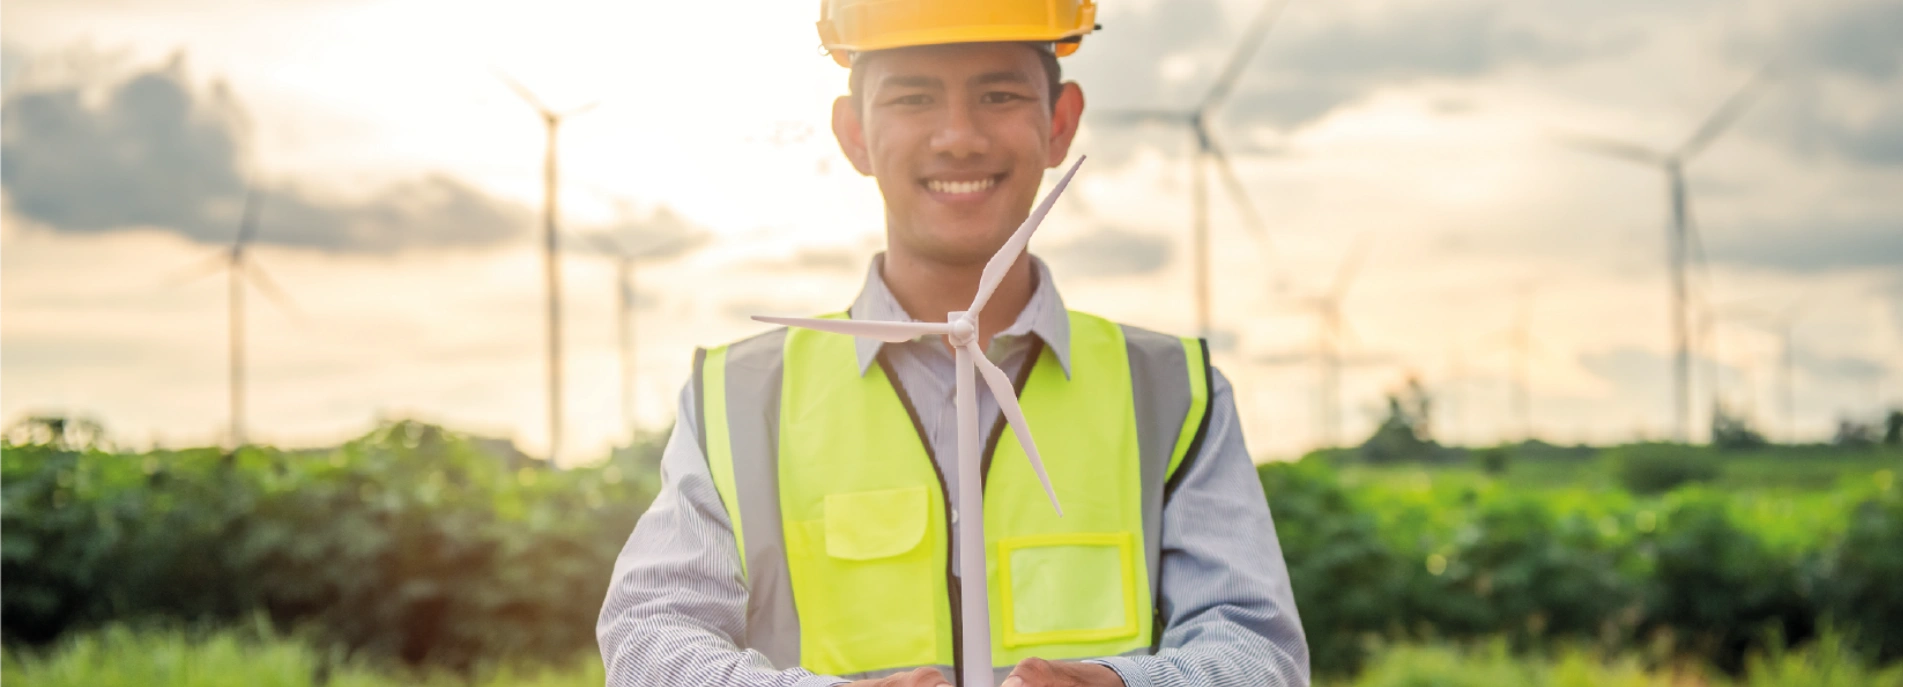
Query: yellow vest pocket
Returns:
{"type": "Point", "coordinates": [1067, 588]}
{"type": "Point", "coordinates": [860, 572]}
{"type": "Point", "coordinates": [865, 525]}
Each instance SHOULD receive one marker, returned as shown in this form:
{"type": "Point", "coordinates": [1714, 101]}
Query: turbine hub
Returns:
{"type": "Point", "coordinates": [963, 330]}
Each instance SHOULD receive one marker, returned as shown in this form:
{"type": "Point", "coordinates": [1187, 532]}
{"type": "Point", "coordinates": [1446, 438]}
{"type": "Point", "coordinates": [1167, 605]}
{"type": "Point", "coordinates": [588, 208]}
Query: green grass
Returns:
{"type": "Point", "coordinates": [1773, 470]}
{"type": "Point", "coordinates": [119, 657]}
{"type": "Point", "coordinates": [1824, 664]}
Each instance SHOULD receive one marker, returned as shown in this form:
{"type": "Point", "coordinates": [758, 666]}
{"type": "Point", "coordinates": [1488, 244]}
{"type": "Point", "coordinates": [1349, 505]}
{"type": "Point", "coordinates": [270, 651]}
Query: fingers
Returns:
{"type": "Point", "coordinates": [922, 677]}
{"type": "Point", "coordinates": [1030, 672]}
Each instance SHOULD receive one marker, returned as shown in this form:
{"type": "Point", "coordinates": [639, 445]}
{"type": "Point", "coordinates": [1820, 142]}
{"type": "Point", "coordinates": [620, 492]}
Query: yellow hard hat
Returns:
{"type": "Point", "coordinates": [850, 26]}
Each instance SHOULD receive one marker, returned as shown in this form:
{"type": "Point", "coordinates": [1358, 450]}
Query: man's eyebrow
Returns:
{"type": "Point", "coordinates": [1013, 76]}
{"type": "Point", "coordinates": [910, 82]}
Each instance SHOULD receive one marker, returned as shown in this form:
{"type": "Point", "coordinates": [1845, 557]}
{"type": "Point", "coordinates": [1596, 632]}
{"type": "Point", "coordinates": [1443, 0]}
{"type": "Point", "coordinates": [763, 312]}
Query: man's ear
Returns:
{"type": "Point", "coordinates": [1065, 115]}
{"type": "Point", "coordinates": [846, 130]}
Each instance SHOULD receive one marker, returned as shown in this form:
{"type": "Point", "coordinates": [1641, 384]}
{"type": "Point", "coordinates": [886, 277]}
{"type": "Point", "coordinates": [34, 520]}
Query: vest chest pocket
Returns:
{"type": "Point", "coordinates": [1067, 588]}
{"type": "Point", "coordinates": [863, 582]}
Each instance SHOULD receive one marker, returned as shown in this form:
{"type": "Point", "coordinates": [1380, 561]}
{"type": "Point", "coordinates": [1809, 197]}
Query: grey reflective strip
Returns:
{"type": "Point", "coordinates": [1161, 395]}
{"type": "Point", "coordinates": [754, 402]}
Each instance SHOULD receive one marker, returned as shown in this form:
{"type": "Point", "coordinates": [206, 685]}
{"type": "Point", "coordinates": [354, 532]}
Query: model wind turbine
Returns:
{"type": "Point", "coordinates": [961, 329]}
{"type": "Point", "coordinates": [1680, 239]}
{"type": "Point", "coordinates": [1197, 122]}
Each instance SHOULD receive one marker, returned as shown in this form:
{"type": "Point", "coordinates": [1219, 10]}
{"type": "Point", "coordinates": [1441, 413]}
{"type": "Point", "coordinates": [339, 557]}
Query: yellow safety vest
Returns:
{"type": "Point", "coordinates": [840, 511]}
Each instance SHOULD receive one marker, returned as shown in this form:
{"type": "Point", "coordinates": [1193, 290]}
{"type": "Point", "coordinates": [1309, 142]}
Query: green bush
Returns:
{"type": "Point", "coordinates": [1493, 460]}
{"type": "Point", "coordinates": [1656, 468]}
{"type": "Point", "coordinates": [410, 543]}
{"type": "Point", "coordinates": [1697, 575]}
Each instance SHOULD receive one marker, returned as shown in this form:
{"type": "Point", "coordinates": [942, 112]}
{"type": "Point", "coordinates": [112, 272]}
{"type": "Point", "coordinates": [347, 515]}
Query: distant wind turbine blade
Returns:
{"type": "Point", "coordinates": [580, 110]}
{"type": "Point", "coordinates": [522, 91]}
{"type": "Point", "coordinates": [1346, 273]}
{"type": "Point", "coordinates": [1143, 116]}
{"type": "Point", "coordinates": [1610, 147]}
{"type": "Point", "coordinates": [1008, 399]}
{"type": "Point", "coordinates": [1237, 193]}
{"type": "Point", "coordinates": [269, 287]}
{"type": "Point", "coordinates": [1253, 37]}
{"type": "Point", "coordinates": [212, 264]}
{"type": "Point", "coordinates": [890, 332]}
{"type": "Point", "coordinates": [1724, 117]}
{"type": "Point", "coordinates": [1285, 358]}
{"type": "Point", "coordinates": [608, 245]}
{"type": "Point", "coordinates": [1009, 253]}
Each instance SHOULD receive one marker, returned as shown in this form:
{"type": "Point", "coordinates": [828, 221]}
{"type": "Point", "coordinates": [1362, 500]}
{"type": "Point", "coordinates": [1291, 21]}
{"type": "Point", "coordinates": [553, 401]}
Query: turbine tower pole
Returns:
{"type": "Point", "coordinates": [235, 279]}
{"type": "Point", "coordinates": [552, 276]}
{"type": "Point", "coordinates": [1677, 252]}
{"type": "Point", "coordinates": [1200, 236]}
{"type": "Point", "coordinates": [625, 334]}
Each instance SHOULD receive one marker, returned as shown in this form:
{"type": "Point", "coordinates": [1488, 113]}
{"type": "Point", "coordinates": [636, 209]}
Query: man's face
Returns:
{"type": "Point", "coordinates": [957, 137]}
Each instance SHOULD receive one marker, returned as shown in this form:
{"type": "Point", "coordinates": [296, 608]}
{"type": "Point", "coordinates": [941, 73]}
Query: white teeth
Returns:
{"type": "Point", "coordinates": [958, 187]}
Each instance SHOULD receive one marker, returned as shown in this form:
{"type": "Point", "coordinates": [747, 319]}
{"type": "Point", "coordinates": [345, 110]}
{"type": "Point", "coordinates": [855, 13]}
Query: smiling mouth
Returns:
{"type": "Point", "coordinates": [963, 187]}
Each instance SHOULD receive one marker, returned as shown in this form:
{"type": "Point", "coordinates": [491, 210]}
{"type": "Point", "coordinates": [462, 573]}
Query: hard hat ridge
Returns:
{"type": "Point", "coordinates": [848, 27]}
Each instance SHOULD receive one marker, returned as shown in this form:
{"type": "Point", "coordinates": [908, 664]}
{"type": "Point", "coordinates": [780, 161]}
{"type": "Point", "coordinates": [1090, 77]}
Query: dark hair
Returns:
{"type": "Point", "coordinates": [1054, 79]}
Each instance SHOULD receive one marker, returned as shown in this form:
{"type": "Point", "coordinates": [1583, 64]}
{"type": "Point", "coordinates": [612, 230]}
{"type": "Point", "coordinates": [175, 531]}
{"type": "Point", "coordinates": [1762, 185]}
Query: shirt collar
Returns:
{"type": "Point", "coordinates": [1044, 315]}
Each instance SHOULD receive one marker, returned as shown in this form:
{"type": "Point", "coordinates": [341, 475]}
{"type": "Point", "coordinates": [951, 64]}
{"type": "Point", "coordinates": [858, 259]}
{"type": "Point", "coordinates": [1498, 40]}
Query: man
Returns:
{"type": "Point", "coordinates": [802, 534]}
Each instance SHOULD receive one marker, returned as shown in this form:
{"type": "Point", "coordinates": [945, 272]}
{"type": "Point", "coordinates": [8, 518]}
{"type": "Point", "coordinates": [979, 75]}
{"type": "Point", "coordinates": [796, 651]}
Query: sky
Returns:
{"type": "Point", "coordinates": [1414, 146]}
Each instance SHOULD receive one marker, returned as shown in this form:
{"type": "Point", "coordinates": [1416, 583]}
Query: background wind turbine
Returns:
{"type": "Point", "coordinates": [624, 321]}
{"type": "Point", "coordinates": [1333, 337]}
{"type": "Point", "coordinates": [1330, 334]}
{"type": "Point", "coordinates": [1779, 323]}
{"type": "Point", "coordinates": [1197, 122]}
{"type": "Point", "coordinates": [1681, 237]}
{"type": "Point", "coordinates": [961, 329]}
{"type": "Point", "coordinates": [239, 268]}
{"type": "Point", "coordinates": [551, 259]}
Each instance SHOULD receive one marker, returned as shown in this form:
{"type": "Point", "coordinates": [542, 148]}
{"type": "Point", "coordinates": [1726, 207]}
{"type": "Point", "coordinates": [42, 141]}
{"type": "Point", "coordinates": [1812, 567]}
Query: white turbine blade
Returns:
{"type": "Point", "coordinates": [1009, 253]}
{"type": "Point", "coordinates": [521, 91]}
{"type": "Point", "coordinates": [890, 332]}
{"type": "Point", "coordinates": [1008, 399]}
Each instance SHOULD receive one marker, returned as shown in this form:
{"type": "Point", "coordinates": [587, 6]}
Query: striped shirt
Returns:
{"type": "Point", "coordinates": [677, 604]}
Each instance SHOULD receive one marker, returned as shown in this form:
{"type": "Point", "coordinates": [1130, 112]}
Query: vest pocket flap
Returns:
{"type": "Point", "coordinates": [865, 525]}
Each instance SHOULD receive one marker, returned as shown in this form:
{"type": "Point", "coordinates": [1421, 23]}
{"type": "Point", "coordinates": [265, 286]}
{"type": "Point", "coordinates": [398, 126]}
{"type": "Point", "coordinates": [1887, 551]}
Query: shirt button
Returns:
{"type": "Point", "coordinates": [955, 516]}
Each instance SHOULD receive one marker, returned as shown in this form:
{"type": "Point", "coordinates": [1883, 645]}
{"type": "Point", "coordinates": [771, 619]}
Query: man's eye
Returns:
{"type": "Point", "coordinates": [997, 97]}
{"type": "Point", "coordinates": [914, 99]}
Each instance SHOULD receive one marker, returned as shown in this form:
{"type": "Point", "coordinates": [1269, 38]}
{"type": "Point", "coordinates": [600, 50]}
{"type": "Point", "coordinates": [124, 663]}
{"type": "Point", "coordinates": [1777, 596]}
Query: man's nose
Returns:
{"type": "Point", "coordinates": [959, 135]}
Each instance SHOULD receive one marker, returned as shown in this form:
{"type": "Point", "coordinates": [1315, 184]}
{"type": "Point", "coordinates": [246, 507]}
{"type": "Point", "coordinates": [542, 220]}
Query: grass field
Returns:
{"type": "Point", "coordinates": [1779, 469]}
{"type": "Point", "coordinates": [118, 657]}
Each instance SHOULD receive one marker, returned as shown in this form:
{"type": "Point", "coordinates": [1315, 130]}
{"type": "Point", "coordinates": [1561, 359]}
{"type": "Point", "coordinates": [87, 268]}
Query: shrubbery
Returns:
{"type": "Point", "coordinates": [1656, 468]}
{"type": "Point", "coordinates": [420, 545]}
{"type": "Point", "coordinates": [410, 543]}
{"type": "Point", "coordinates": [1678, 576]}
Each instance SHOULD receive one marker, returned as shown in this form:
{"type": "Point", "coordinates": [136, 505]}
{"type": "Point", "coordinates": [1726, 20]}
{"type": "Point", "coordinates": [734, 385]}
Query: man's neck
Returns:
{"type": "Point", "coordinates": [928, 290]}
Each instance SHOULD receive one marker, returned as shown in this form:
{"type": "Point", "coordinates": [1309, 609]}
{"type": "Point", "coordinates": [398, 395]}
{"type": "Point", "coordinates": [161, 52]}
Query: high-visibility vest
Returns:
{"type": "Point", "coordinates": [840, 512]}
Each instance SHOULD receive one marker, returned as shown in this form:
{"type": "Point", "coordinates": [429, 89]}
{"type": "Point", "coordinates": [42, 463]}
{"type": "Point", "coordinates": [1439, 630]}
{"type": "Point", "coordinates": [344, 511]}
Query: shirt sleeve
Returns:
{"type": "Point", "coordinates": [1230, 616]}
{"type": "Point", "coordinates": [677, 604]}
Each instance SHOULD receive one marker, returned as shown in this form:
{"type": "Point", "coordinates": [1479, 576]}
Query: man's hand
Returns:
{"type": "Point", "coordinates": [1038, 672]}
{"type": "Point", "coordinates": [918, 677]}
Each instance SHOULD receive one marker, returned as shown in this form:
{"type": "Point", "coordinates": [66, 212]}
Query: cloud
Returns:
{"type": "Point", "coordinates": [659, 235]}
{"type": "Point", "coordinates": [1836, 367]}
{"type": "Point", "coordinates": [1809, 247]}
{"type": "Point", "coordinates": [1307, 69]}
{"type": "Point", "coordinates": [152, 152]}
{"type": "Point", "coordinates": [1859, 39]}
{"type": "Point", "coordinates": [1110, 252]}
